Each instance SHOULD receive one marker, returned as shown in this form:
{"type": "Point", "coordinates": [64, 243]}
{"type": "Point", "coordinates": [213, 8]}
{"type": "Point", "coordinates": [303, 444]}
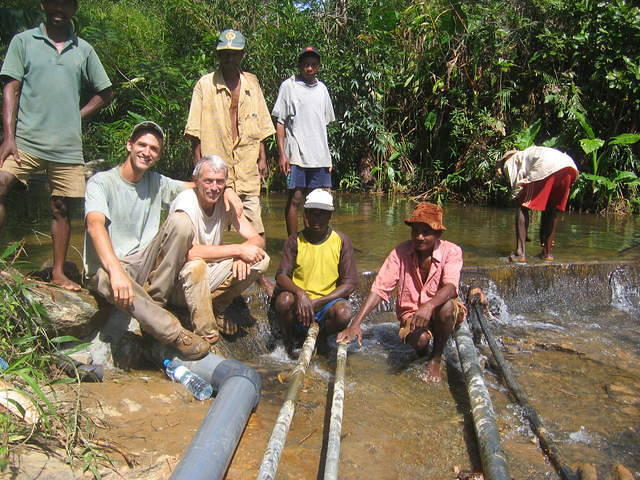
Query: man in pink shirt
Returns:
{"type": "Point", "coordinates": [426, 272]}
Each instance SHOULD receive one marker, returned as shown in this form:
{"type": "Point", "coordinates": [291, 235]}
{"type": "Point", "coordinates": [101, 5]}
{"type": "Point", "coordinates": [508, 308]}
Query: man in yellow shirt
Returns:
{"type": "Point", "coordinates": [229, 118]}
{"type": "Point", "coordinates": [316, 274]}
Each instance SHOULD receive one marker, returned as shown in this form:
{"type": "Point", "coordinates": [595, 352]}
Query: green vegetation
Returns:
{"type": "Point", "coordinates": [60, 424]}
{"type": "Point", "coordinates": [428, 94]}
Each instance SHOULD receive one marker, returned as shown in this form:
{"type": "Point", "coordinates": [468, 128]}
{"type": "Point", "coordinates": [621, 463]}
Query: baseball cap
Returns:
{"type": "Point", "coordinates": [320, 199]}
{"type": "Point", "coordinates": [230, 40]}
{"type": "Point", "coordinates": [147, 125]}
{"type": "Point", "coordinates": [308, 50]}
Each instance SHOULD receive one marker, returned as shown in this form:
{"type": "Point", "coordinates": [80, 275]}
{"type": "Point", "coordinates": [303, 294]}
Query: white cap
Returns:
{"type": "Point", "coordinates": [320, 199]}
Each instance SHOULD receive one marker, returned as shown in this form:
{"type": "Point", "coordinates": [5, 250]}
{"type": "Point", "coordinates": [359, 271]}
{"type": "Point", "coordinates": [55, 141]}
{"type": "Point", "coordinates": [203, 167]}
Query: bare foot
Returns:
{"type": "Point", "coordinates": [432, 371]}
{"type": "Point", "coordinates": [66, 283]}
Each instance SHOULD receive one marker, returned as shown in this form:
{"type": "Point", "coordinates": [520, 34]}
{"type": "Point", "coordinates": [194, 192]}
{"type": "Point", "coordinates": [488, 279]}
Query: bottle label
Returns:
{"type": "Point", "coordinates": [179, 372]}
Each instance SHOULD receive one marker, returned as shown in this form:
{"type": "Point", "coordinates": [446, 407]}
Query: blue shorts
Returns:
{"type": "Point", "coordinates": [300, 177]}
{"type": "Point", "coordinates": [319, 318]}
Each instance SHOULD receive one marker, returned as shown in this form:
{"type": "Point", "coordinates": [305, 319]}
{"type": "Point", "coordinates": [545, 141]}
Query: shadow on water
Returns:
{"type": "Point", "coordinates": [570, 329]}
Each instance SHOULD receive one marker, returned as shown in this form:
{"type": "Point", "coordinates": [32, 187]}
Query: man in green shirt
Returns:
{"type": "Point", "coordinates": [44, 71]}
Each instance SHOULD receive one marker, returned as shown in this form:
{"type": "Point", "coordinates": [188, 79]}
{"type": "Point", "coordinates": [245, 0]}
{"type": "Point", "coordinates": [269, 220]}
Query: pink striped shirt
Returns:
{"type": "Point", "coordinates": [401, 269]}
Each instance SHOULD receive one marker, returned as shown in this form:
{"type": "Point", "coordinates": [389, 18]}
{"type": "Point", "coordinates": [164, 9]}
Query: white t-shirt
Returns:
{"type": "Point", "coordinates": [305, 111]}
{"type": "Point", "coordinates": [207, 229]}
{"type": "Point", "coordinates": [132, 210]}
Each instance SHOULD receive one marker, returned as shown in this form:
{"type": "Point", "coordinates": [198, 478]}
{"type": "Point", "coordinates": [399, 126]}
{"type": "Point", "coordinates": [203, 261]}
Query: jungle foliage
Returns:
{"type": "Point", "coordinates": [428, 94]}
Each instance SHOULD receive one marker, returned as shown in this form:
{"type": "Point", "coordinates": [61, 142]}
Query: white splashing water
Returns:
{"type": "Point", "coordinates": [581, 436]}
{"type": "Point", "coordinates": [279, 355]}
{"type": "Point", "coordinates": [500, 310]}
{"type": "Point", "coordinates": [321, 371]}
{"type": "Point", "coordinates": [620, 293]}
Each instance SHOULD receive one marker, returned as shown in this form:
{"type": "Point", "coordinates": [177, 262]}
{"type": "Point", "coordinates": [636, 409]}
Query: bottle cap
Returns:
{"type": "Point", "coordinates": [166, 362]}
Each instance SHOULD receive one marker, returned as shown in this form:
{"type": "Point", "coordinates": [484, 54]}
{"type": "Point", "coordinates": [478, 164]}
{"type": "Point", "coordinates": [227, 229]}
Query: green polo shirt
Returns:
{"type": "Point", "coordinates": [49, 124]}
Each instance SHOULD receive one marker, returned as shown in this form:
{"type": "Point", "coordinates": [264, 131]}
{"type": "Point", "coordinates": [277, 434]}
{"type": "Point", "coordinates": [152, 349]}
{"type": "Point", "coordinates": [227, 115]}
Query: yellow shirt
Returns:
{"type": "Point", "coordinates": [209, 121]}
{"type": "Point", "coordinates": [316, 265]}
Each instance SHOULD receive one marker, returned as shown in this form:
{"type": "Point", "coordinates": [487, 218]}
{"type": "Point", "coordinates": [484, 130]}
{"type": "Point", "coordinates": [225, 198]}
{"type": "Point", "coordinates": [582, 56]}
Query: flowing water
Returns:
{"type": "Point", "coordinates": [572, 334]}
{"type": "Point", "coordinates": [375, 223]}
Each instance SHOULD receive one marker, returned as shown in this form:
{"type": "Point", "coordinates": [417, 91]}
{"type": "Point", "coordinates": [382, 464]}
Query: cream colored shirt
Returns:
{"type": "Point", "coordinates": [207, 229]}
{"type": "Point", "coordinates": [209, 121]}
{"type": "Point", "coordinates": [533, 164]}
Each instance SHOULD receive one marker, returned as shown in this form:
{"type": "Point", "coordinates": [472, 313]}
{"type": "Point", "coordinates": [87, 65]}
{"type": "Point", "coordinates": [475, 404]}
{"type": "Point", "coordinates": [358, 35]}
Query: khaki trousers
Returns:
{"type": "Point", "coordinates": [219, 287]}
{"type": "Point", "coordinates": [160, 276]}
{"type": "Point", "coordinates": [154, 274]}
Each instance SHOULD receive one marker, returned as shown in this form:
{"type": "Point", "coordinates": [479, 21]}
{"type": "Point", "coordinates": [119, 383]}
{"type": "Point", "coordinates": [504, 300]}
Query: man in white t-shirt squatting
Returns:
{"type": "Point", "coordinates": [231, 268]}
{"type": "Point", "coordinates": [136, 264]}
{"type": "Point", "coordinates": [302, 111]}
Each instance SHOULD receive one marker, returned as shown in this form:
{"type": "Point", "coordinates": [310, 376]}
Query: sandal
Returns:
{"type": "Point", "coordinates": [546, 257]}
{"type": "Point", "coordinates": [518, 259]}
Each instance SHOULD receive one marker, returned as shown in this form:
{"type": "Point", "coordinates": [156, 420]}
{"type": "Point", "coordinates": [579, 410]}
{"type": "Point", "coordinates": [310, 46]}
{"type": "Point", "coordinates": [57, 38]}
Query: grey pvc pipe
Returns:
{"type": "Point", "coordinates": [271, 459]}
{"type": "Point", "coordinates": [494, 462]}
{"type": "Point", "coordinates": [335, 426]}
{"type": "Point", "coordinates": [546, 443]}
{"type": "Point", "coordinates": [212, 447]}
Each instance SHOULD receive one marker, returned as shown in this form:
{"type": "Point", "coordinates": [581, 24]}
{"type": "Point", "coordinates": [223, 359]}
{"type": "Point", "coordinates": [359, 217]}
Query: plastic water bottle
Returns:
{"type": "Point", "coordinates": [194, 383]}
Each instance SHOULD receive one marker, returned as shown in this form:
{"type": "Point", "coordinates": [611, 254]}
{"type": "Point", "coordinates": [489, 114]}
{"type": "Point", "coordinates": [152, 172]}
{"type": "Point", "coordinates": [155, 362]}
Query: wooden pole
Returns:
{"type": "Point", "coordinates": [547, 445]}
{"type": "Point", "coordinates": [335, 427]}
{"type": "Point", "coordinates": [494, 461]}
{"type": "Point", "coordinates": [271, 458]}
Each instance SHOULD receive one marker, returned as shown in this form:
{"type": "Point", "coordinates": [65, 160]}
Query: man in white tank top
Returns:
{"type": "Point", "coordinates": [230, 268]}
